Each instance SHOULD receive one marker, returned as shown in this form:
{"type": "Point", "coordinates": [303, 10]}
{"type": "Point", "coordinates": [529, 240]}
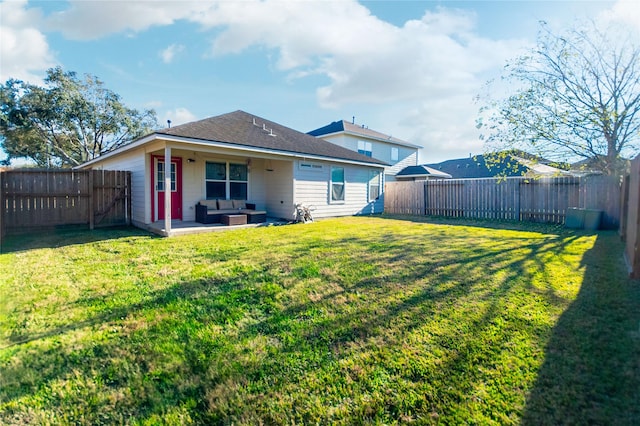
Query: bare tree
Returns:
{"type": "Point", "coordinates": [577, 97]}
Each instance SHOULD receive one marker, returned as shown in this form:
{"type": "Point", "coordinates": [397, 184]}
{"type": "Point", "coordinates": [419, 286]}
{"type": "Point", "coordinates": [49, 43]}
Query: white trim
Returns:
{"type": "Point", "coordinates": [344, 185]}
{"type": "Point", "coordinates": [227, 180]}
{"type": "Point", "coordinates": [423, 175]}
{"type": "Point", "coordinates": [371, 178]}
{"type": "Point", "coordinates": [310, 166]}
{"type": "Point", "coordinates": [167, 187]}
{"type": "Point", "coordinates": [396, 151]}
{"type": "Point", "coordinates": [363, 135]}
{"type": "Point", "coordinates": [227, 145]}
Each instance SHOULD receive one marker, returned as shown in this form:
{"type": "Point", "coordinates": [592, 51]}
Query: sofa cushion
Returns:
{"type": "Point", "coordinates": [211, 204]}
{"type": "Point", "coordinates": [225, 204]}
{"type": "Point", "coordinates": [239, 204]}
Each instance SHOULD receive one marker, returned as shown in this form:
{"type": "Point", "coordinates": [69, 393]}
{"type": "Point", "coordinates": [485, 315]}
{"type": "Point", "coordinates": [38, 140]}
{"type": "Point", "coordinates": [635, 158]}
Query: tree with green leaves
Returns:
{"type": "Point", "coordinates": [68, 121]}
{"type": "Point", "coordinates": [576, 98]}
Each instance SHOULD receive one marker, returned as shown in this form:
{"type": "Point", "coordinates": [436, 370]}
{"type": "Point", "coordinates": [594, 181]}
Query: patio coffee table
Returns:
{"type": "Point", "coordinates": [256, 216]}
{"type": "Point", "coordinates": [234, 219]}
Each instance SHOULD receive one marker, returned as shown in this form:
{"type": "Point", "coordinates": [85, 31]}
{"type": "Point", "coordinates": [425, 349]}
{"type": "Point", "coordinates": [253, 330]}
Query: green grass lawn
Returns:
{"type": "Point", "coordinates": [343, 321]}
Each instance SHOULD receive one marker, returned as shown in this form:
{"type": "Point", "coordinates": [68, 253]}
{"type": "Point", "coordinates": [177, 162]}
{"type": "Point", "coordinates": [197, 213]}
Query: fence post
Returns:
{"type": "Point", "coordinates": [91, 193]}
{"type": "Point", "coordinates": [517, 200]}
{"type": "Point", "coordinates": [128, 199]}
{"type": "Point", "coordinates": [624, 206]}
{"type": "Point", "coordinates": [424, 198]}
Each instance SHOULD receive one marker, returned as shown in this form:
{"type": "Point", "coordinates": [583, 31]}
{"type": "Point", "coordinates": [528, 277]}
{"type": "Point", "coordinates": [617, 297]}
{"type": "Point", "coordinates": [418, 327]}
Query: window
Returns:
{"type": "Point", "coordinates": [238, 181]}
{"type": "Point", "coordinates": [337, 184]}
{"type": "Point", "coordinates": [311, 167]}
{"type": "Point", "coordinates": [160, 176]}
{"type": "Point", "coordinates": [394, 154]}
{"type": "Point", "coordinates": [222, 185]}
{"type": "Point", "coordinates": [365, 148]}
{"type": "Point", "coordinates": [216, 180]}
{"type": "Point", "coordinates": [374, 185]}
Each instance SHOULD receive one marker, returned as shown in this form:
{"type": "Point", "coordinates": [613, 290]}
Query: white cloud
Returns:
{"type": "Point", "coordinates": [427, 71]}
{"type": "Point", "coordinates": [24, 51]}
{"type": "Point", "coordinates": [87, 20]}
{"type": "Point", "coordinates": [178, 116]}
{"type": "Point", "coordinates": [170, 52]}
{"type": "Point", "coordinates": [626, 11]}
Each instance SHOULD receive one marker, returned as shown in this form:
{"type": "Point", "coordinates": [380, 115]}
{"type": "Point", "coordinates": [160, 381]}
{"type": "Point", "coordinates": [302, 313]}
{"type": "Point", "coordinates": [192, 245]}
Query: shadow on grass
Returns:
{"type": "Point", "coordinates": [65, 236]}
{"type": "Point", "coordinates": [482, 223]}
{"type": "Point", "coordinates": [120, 358]}
{"type": "Point", "coordinates": [591, 371]}
{"type": "Point", "coordinates": [191, 346]}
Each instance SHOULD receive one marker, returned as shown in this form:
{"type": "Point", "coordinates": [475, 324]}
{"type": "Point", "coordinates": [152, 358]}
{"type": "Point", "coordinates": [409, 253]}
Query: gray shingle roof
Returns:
{"type": "Point", "coordinates": [478, 167]}
{"type": "Point", "coordinates": [422, 171]}
{"type": "Point", "coordinates": [354, 129]}
{"type": "Point", "coordinates": [242, 128]}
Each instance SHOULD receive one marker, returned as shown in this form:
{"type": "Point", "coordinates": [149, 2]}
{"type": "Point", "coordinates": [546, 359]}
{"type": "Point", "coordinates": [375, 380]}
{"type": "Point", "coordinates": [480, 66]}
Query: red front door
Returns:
{"type": "Point", "coordinates": [158, 188]}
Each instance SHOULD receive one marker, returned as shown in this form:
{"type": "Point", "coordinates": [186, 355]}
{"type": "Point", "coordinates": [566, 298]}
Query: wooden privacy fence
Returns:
{"type": "Point", "coordinates": [630, 221]}
{"type": "Point", "coordinates": [36, 198]}
{"type": "Point", "coordinates": [515, 198]}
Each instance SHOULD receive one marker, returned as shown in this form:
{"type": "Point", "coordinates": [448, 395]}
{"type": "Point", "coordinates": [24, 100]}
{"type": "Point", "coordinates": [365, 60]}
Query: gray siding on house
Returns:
{"type": "Point", "coordinates": [312, 188]}
{"type": "Point", "coordinates": [406, 157]}
{"type": "Point", "coordinates": [381, 150]}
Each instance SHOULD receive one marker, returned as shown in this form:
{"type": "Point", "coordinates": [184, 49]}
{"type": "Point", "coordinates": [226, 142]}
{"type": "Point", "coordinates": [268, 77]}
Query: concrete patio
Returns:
{"type": "Point", "coordinates": [179, 227]}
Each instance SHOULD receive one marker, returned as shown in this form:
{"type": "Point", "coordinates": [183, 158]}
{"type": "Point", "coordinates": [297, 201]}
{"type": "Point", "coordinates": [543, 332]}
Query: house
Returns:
{"type": "Point", "coordinates": [243, 157]}
{"type": "Point", "coordinates": [414, 173]}
{"type": "Point", "coordinates": [396, 152]}
{"type": "Point", "coordinates": [598, 165]}
{"type": "Point", "coordinates": [480, 166]}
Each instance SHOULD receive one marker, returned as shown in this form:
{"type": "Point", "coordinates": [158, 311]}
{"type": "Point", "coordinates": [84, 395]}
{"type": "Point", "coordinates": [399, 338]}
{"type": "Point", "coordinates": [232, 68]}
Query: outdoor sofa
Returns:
{"type": "Point", "coordinates": [211, 211]}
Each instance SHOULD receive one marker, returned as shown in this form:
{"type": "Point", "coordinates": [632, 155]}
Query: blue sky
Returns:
{"type": "Point", "coordinates": [410, 69]}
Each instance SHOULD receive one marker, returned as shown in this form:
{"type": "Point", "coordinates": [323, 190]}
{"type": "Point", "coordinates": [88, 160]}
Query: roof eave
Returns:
{"type": "Point", "coordinates": [219, 144]}
{"type": "Point", "coordinates": [385, 140]}
{"type": "Point", "coordinates": [424, 175]}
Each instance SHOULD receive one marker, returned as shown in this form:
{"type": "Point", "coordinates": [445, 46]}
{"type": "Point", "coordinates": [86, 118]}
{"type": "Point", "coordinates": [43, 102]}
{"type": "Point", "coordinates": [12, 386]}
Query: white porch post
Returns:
{"type": "Point", "coordinates": [167, 189]}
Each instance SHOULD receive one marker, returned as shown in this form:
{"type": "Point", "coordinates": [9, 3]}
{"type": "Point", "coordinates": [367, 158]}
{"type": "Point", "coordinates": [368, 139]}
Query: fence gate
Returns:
{"type": "Point", "coordinates": [30, 199]}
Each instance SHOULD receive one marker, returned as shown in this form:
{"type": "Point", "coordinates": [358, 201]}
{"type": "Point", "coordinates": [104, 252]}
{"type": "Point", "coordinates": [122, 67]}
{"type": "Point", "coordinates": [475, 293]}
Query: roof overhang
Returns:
{"type": "Point", "coordinates": [371, 137]}
{"type": "Point", "coordinates": [222, 145]}
{"type": "Point", "coordinates": [424, 175]}
{"type": "Point", "coordinates": [381, 139]}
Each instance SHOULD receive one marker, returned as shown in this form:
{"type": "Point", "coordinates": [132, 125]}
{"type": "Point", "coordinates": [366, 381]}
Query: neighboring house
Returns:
{"type": "Point", "coordinates": [511, 165]}
{"type": "Point", "coordinates": [396, 152]}
{"type": "Point", "coordinates": [241, 156]}
{"type": "Point", "coordinates": [597, 165]}
{"type": "Point", "coordinates": [413, 173]}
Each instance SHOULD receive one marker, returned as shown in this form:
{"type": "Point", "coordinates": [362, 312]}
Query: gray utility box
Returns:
{"type": "Point", "coordinates": [583, 218]}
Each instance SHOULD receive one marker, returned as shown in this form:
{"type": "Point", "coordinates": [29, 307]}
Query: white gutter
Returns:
{"type": "Point", "coordinates": [424, 175]}
{"type": "Point", "coordinates": [362, 135]}
{"type": "Point", "coordinates": [226, 145]}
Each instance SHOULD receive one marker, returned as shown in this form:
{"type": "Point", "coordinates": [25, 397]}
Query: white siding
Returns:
{"type": "Point", "coordinates": [257, 184]}
{"type": "Point", "coordinates": [194, 188]}
{"type": "Point", "coordinates": [312, 189]}
{"type": "Point", "coordinates": [192, 183]}
{"type": "Point", "coordinates": [279, 189]}
{"type": "Point", "coordinates": [274, 185]}
{"type": "Point", "coordinates": [380, 150]}
{"type": "Point", "coordinates": [406, 157]}
{"type": "Point", "coordinates": [349, 142]}
{"type": "Point", "coordinates": [135, 163]}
